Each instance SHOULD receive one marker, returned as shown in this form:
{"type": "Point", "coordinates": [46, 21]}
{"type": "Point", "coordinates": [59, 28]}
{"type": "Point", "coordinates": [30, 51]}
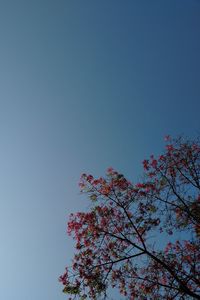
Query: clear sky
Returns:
{"type": "Point", "coordinates": [84, 85]}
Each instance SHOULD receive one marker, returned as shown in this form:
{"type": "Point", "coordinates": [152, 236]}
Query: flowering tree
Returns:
{"type": "Point", "coordinates": [144, 238]}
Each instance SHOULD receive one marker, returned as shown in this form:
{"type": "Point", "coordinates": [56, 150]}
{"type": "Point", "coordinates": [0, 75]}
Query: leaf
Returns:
{"type": "Point", "coordinates": [93, 197]}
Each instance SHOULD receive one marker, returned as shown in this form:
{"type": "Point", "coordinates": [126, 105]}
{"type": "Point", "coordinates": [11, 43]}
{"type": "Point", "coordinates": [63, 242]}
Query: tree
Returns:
{"type": "Point", "coordinates": [144, 238]}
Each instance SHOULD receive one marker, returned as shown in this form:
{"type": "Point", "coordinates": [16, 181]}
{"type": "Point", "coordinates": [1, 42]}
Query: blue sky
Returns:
{"type": "Point", "coordinates": [84, 85]}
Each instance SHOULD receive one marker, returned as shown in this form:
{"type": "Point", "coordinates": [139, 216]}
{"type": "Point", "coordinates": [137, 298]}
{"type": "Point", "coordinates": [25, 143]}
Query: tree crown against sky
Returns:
{"type": "Point", "coordinates": [144, 238]}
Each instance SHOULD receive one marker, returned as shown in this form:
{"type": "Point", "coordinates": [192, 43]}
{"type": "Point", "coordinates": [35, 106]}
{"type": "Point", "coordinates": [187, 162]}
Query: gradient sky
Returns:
{"type": "Point", "coordinates": [84, 85]}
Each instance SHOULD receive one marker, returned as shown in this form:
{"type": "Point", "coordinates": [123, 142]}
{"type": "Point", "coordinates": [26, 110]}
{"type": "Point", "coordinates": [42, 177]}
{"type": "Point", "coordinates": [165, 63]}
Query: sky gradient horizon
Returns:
{"type": "Point", "coordinates": [85, 85]}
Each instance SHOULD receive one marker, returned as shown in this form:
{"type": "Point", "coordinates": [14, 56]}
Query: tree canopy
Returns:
{"type": "Point", "coordinates": [143, 238]}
